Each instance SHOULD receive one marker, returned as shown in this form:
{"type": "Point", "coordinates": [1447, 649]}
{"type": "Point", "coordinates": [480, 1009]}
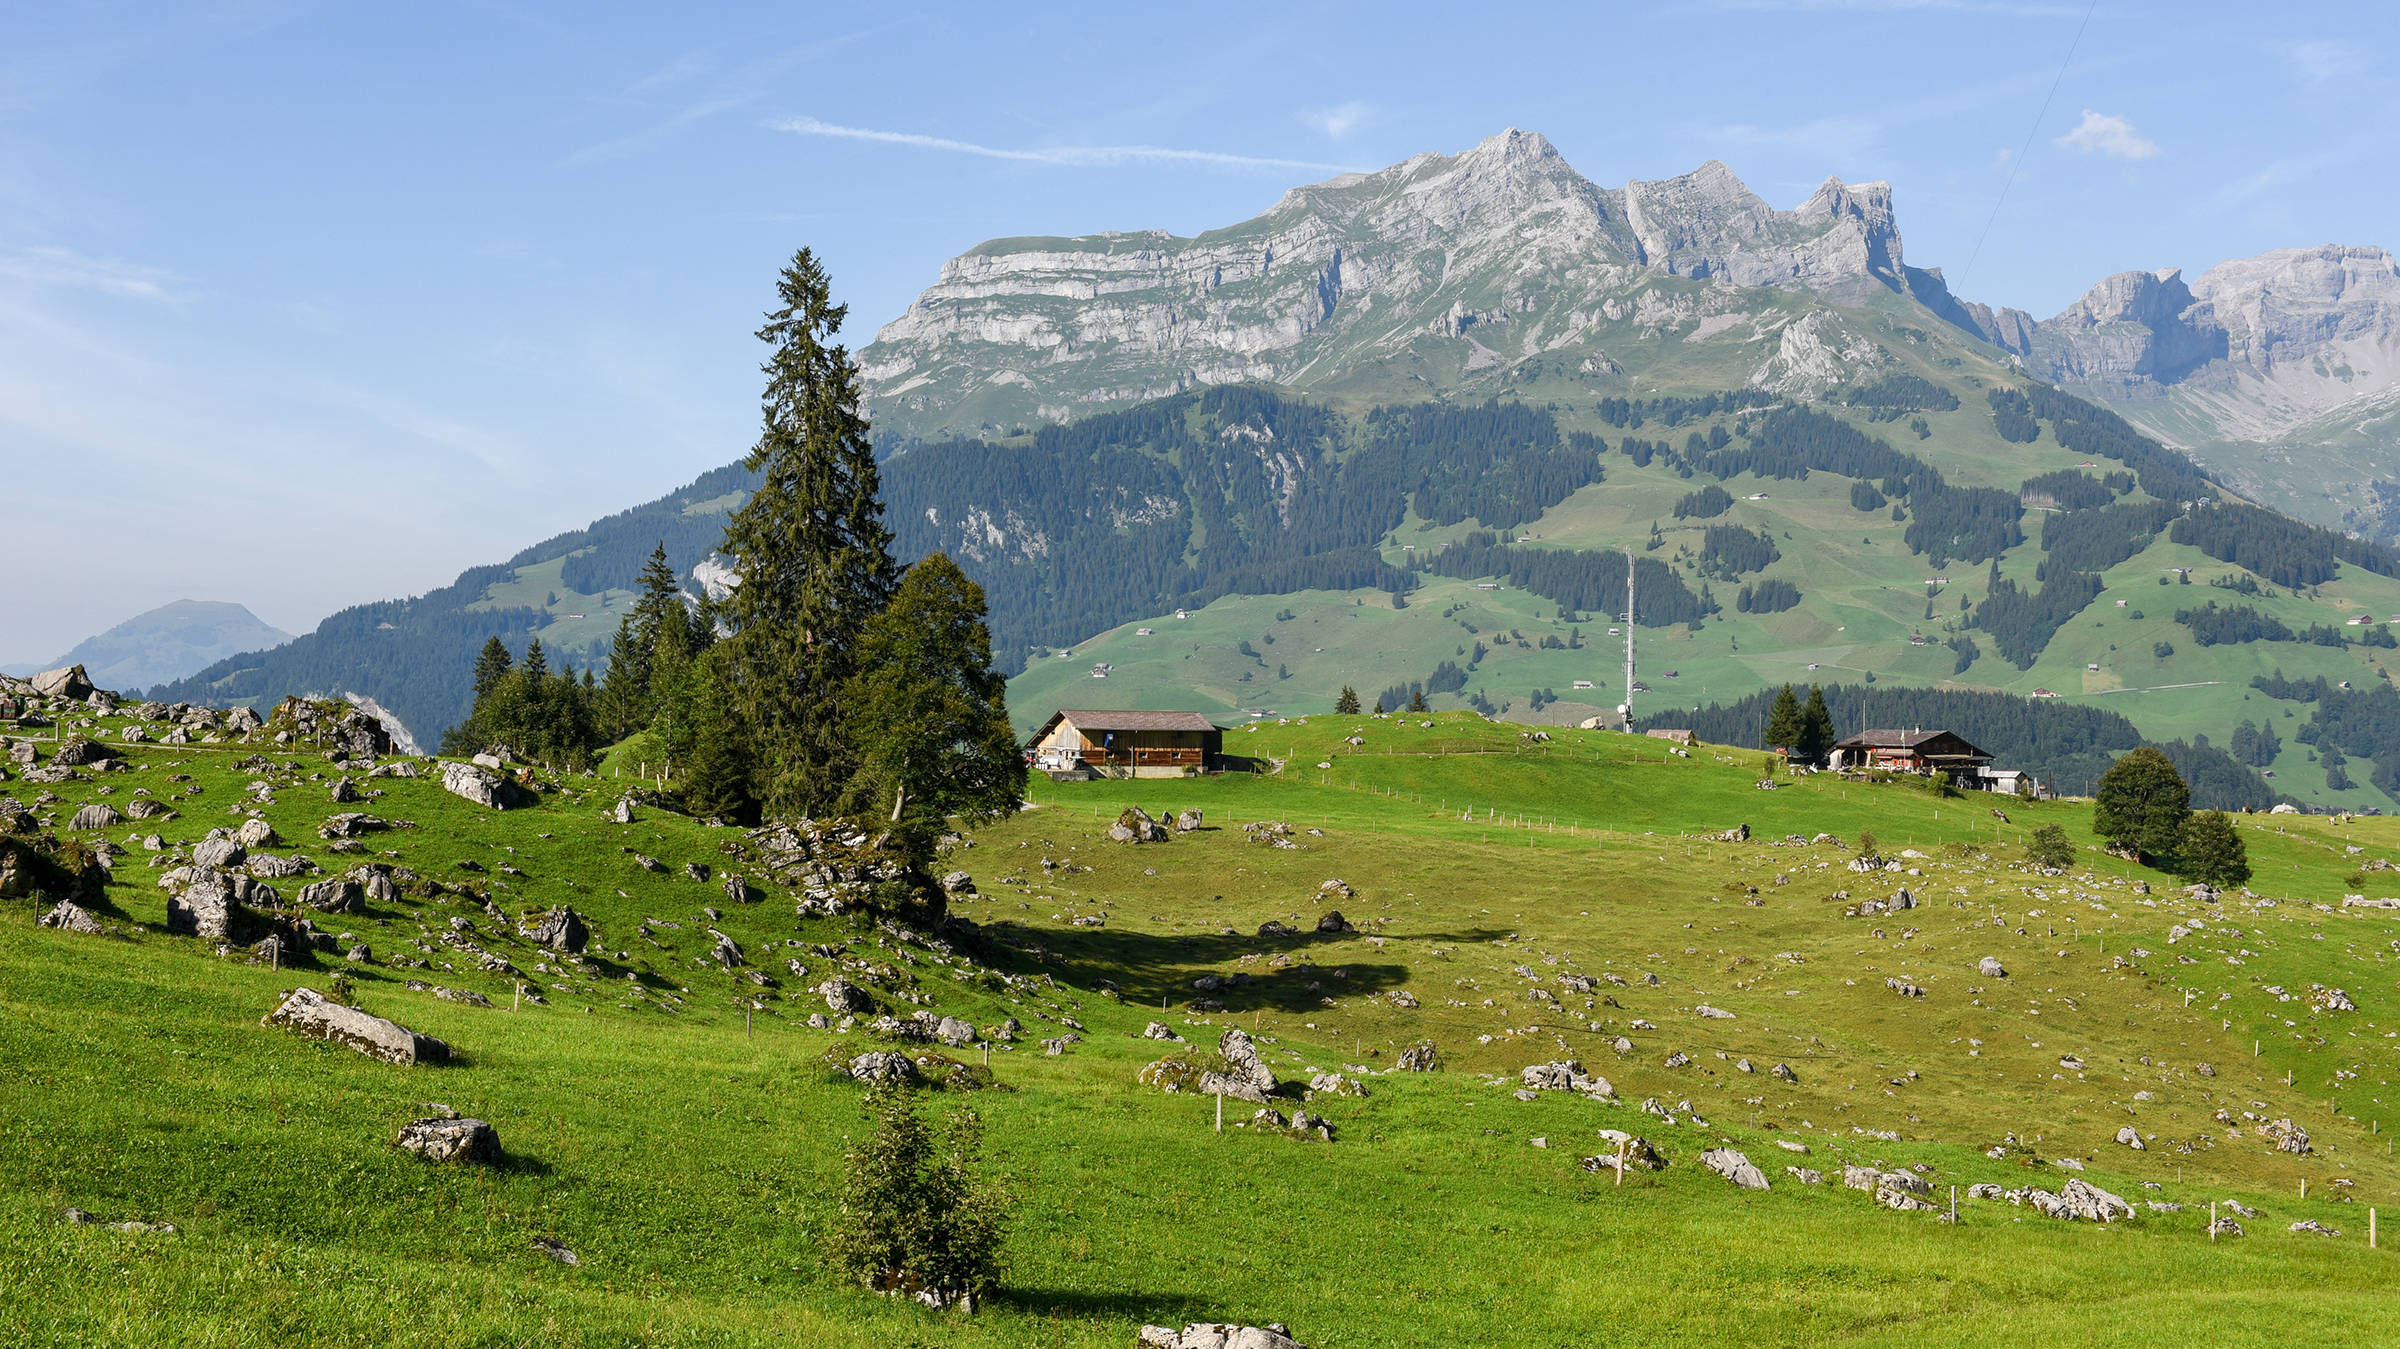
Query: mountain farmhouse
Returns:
{"type": "Point", "coordinates": [1127, 744]}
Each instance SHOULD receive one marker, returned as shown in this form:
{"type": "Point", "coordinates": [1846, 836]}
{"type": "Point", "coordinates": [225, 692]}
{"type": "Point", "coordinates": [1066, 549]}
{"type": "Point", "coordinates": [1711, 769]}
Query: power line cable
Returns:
{"type": "Point", "coordinates": [2030, 133]}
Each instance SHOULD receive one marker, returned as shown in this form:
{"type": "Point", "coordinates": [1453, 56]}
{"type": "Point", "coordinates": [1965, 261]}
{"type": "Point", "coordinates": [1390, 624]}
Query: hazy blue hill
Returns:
{"type": "Point", "coordinates": [170, 642]}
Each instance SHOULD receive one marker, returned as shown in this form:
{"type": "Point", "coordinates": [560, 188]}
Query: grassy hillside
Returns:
{"type": "Point", "coordinates": [679, 1127]}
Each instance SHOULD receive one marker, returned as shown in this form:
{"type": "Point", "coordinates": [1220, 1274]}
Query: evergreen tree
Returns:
{"type": "Point", "coordinates": [2141, 804]}
{"type": "Point", "coordinates": [1416, 701]}
{"type": "Point", "coordinates": [928, 713]}
{"type": "Point", "coordinates": [537, 661]}
{"type": "Point", "coordinates": [1816, 728]}
{"type": "Point", "coordinates": [705, 744]}
{"type": "Point", "coordinates": [1783, 721]}
{"type": "Point", "coordinates": [811, 549]}
{"type": "Point", "coordinates": [2211, 850]}
{"type": "Point", "coordinates": [1347, 704]}
{"type": "Point", "coordinates": [491, 664]}
{"type": "Point", "coordinates": [625, 694]}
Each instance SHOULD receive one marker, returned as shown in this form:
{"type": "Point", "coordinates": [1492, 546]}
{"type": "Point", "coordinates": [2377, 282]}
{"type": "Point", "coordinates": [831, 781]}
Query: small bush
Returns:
{"type": "Point", "coordinates": [917, 1219]}
{"type": "Point", "coordinates": [341, 990]}
{"type": "Point", "coordinates": [1866, 843]}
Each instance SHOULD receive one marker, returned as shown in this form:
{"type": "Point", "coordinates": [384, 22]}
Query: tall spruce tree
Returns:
{"type": "Point", "coordinates": [929, 714]}
{"type": "Point", "coordinates": [1347, 704]}
{"type": "Point", "coordinates": [811, 550]}
{"type": "Point", "coordinates": [1783, 721]}
{"type": "Point", "coordinates": [492, 664]}
{"type": "Point", "coordinates": [1816, 728]}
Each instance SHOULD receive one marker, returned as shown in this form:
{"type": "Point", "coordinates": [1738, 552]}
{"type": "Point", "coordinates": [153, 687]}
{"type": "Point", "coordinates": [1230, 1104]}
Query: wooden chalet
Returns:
{"type": "Point", "coordinates": [1127, 744]}
{"type": "Point", "coordinates": [1914, 751]}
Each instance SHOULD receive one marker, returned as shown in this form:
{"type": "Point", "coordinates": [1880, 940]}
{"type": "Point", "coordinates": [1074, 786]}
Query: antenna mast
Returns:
{"type": "Point", "coordinates": [1625, 709]}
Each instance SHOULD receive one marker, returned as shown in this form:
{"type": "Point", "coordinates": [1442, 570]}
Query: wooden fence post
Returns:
{"type": "Point", "coordinates": [1220, 1112]}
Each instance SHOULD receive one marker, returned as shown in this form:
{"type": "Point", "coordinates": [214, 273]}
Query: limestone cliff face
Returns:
{"type": "Point", "coordinates": [2251, 349]}
{"type": "Point", "coordinates": [1449, 264]}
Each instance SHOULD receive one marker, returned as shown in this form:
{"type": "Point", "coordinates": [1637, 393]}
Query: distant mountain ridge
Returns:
{"type": "Point", "coordinates": [170, 642]}
{"type": "Point", "coordinates": [1433, 269]}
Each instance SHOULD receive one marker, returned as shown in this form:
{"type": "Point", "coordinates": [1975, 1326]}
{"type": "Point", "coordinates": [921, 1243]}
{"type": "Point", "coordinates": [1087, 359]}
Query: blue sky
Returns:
{"type": "Point", "coordinates": [304, 305]}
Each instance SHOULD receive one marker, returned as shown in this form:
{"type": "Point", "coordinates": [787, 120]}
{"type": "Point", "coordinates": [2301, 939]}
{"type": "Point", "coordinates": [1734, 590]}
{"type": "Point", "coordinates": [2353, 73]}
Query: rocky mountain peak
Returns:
{"type": "Point", "coordinates": [1452, 264]}
{"type": "Point", "coordinates": [2154, 298]}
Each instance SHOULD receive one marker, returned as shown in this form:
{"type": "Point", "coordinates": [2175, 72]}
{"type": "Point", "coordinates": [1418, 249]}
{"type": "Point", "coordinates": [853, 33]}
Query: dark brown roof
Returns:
{"type": "Point", "coordinates": [1931, 744]}
{"type": "Point", "coordinates": [1092, 719]}
{"type": "Point", "coordinates": [1889, 739]}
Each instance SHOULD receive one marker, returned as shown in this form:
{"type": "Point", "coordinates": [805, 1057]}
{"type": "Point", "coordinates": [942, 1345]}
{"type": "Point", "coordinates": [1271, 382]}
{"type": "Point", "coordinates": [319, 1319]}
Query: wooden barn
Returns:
{"type": "Point", "coordinates": [1913, 751]}
{"type": "Point", "coordinates": [1127, 744]}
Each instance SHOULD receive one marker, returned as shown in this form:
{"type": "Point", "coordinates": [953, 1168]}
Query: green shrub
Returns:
{"type": "Point", "coordinates": [2050, 847]}
{"type": "Point", "coordinates": [917, 1219]}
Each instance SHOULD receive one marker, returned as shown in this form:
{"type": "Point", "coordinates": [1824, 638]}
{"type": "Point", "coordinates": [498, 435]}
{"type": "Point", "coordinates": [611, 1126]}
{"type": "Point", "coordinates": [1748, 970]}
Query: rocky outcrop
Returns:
{"type": "Point", "coordinates": [309, 1013]}
{"type": "Point", "coordinates": [561, 929]}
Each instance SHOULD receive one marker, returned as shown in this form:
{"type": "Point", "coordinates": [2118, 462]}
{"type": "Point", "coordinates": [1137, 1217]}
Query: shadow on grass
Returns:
{"type": "Point", "coordinates": [1149, 966]}
{"type": "Point", "coordinates": [1175, 1309]}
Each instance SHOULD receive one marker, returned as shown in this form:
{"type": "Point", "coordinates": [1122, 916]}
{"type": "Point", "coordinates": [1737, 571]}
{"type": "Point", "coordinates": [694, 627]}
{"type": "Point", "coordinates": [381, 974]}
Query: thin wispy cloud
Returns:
{"type": "Point", "coordinates": [2281, 173]}
{"type": "Point", "coordinates": [1063, 156]}
{"type": "Point", "coordinates": [2100, 133]}
{"type": "Point", "coordinates": [50, 266]}
{"type": "Point", "coordinates": [1337, 123]}
{"type": "Point", "coordinates": [651, 135]}
{"type": "Point", "coordinates": [2325, 61]}
{"type": "Point", "coordinates": [1838, 137]}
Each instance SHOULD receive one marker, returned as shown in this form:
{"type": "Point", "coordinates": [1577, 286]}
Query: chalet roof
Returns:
{"type": "Point", "coordinates": [1095, 719]}
{"type": "Point", "coordinates": [1910, 739]}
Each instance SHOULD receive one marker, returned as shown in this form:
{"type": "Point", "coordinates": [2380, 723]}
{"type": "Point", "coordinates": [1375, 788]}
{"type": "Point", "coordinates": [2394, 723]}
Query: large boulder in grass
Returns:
{"type": "Point", "coordinates": [208, 909]}
{"type": "Point", "coordinates": [307, 1011]}
{"type": "Point", "coordinates": [96, 815]}
{"type": "Point", "coordinates": [561, 929]}
{"type": "Point", "coordinates": [68, 681]}
{"type": "Point", "coordinates": [481, 786]}
{"type": "Point", "coordinates": [442, 1138]}
{"type": "Point", "coordinates": [218, 853]}
{"type": "Point", "coordinates": [68, 916]}
{"type": "Point", "coordinates": [1246, 1076]}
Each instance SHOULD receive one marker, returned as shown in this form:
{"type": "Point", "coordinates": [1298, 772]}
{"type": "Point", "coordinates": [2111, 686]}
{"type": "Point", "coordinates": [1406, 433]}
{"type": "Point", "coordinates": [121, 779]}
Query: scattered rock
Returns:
{"type": "Point", "coordinates": [1134, 825]}
{"type": "Point", "coordinates": [1159, 1030]}
{"type": "Point", "coordinates": [1989, 968]}
{"type": "Point", "coordinates": [2286, 1136]}
{"type": "Point", "coordinates": [442, 1138]}
{"type": "Point", "coordinates": [334, 896]}
{"type": "Point", "coordinates": [1805, 1175]}
{"type": "Point", "coordinates": [95, 816]}
{"type": "Point", "coordinates": [218, 852]}
{"type": "Point", "coordinates": [884, 1065]}
{"type": "Point", "coordinates": [2131, 1137]}
{"type": "Point", "coordinates": [305, 1010]}
{"type": "Point", "coordinates": [480, 785]}
{"type": "Point", "coordinates": [1420, 1057]}
{"type": "Point", "coordinates": [2312, 1225]}
{"type": "Point", "coordinates": [843, 997]}
{"type": "Point", "coordinates": [1246, 1076]}
{"type": "Point", "coordinates": [2079, 1200]}
{"type": "Point", "coordinates": [555, 1251]}
{"type": "Point", "coordinates": [68, 916]}
{"type": "Point", "coordinates": [1733, 1166]}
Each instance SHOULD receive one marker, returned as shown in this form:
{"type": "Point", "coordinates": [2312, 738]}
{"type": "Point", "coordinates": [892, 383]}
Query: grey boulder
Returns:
{"type": "Point", "coordinates": [440, 1138]}
{"type": "Point", "coordinates": [307, 1011]}
{"type": "Point", "coordinates": [1734, 1167]}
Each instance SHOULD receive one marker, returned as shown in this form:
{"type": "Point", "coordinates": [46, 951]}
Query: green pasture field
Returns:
{"type": "Point", "coordinates": [682, 1129]}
